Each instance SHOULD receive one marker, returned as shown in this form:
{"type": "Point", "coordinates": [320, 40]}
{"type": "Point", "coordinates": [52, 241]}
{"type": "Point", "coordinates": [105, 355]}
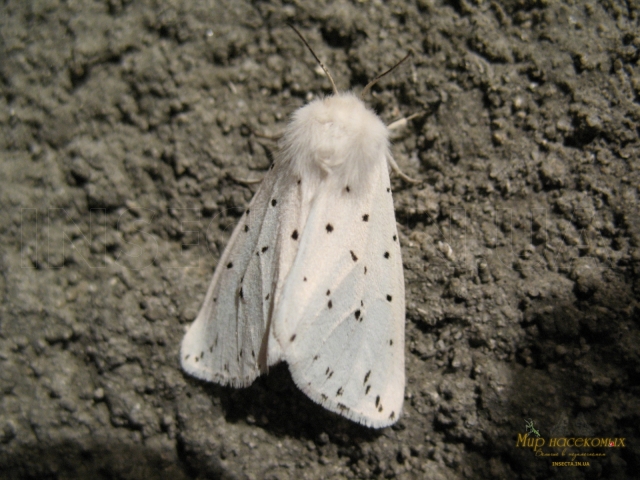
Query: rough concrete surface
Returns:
{"type": "Point", "coordinates": [124, 127]}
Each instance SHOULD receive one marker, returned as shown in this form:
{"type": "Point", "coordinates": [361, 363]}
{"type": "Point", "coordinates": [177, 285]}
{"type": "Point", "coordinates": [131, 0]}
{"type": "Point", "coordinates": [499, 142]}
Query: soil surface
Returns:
{"type": "Point", "coordinates": [124, 127]}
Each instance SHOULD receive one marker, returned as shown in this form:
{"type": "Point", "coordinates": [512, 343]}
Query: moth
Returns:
{"type": "Point", "coordinates": [312, 274]}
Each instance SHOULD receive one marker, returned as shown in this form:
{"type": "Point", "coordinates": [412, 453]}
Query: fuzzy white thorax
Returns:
{"type": "Point", "coordinates": [336, 138]}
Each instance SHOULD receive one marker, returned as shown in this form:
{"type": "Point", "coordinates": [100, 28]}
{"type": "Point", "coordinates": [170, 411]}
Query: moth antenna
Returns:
{"type": "Point", "coordinates": [333, 85]}
{"type": "Point", "coordinates": [366, 89]}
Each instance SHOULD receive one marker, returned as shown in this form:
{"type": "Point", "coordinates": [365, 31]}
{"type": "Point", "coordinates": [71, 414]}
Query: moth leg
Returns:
{"type": "Point", "coordinates": [272, 137]}
{"type": "Point", "coordinates": [402, 122]}
{"type": "Point", "coordinates": [245, 181]}
{"type": "Point", "coordinates": [400, 173]}
{"type": "Point", "coordinates": [267, 150]}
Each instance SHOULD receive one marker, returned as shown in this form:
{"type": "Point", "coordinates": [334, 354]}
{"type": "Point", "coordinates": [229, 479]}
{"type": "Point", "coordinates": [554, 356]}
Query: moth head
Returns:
{"type": "Point", "coordinates": [336, 136]}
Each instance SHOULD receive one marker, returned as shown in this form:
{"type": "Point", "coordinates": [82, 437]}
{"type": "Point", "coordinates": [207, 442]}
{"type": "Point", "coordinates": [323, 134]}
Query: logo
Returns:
{"type": "Point", "coordinates": [531, 429]}
{"type": "Point", "coordinates": [567, 444]}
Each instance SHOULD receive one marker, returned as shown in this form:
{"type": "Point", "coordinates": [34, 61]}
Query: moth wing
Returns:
{"type": "Point", "coordinates": [227, 341]}
{"type": "Point", "coordinates": [340, 317]}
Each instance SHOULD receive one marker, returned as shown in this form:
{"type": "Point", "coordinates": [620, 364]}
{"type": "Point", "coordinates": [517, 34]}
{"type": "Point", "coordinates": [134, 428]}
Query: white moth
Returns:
{"type": "Point", "coordinates": [312, 274]}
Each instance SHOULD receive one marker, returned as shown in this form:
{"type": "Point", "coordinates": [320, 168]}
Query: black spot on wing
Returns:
{"type": "Point", "coordinates": [389, 298]}
{"type": "Point", "coordinates": [388, 190]}
{"type": "Point", "coordinates": [395, 237]}
{"type": "Point", "coordinates": [264, 249]}
{"type": "Point", "coordinates": [247, 211]}
{"type": "Point", "coordinates": [353, 256]}
{"type": "Point", "coordinates": [357, 314]}
{"type": "Point", "coordinates": [377, 400]}
{"type": "Point", "coordinates": [241, 294]}
{"type": "Point", "coordinates": [366, 377]}
{"type": "Point", "coordinates": [328, 292]}
{"type": "Point", "coordinates": [365, 270]}
{"type": "Point", "coordinates": [246, 228]}
{"type": "Point", "coordinates": [392, 416]}
{"type": "Point", "coordinates": [293, 337]}
{"type": "Point", "coordinates": [186, 357]}
{"type": "Point", "coordinates": [347, 189]}
{"type": "Point", "coordinates": [330, 304]}
{"type": "Point", "coordinates": [230, 265]}
{"type": "Point", "coordinates": [339, 392]}
{"type": "Point", "coordinates": [391, 342]}
{"type": "Point", "coordinates": [386, 255]}
{"type": "Point", "coordinates": [366, 392]}
{"type": "Point", "coordinates": [274, 202]}
{"type": "Point", "coordinates": [329, 228]}
{"type": "Point", "coordinates": [365, 217]}
{"type": "Point", "coordinates": [294, 235]}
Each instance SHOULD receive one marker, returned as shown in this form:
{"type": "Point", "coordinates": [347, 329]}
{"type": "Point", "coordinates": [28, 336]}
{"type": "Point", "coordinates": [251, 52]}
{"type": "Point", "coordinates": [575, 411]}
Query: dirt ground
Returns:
{"type": "Point", "coordinates": [123, 128]}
